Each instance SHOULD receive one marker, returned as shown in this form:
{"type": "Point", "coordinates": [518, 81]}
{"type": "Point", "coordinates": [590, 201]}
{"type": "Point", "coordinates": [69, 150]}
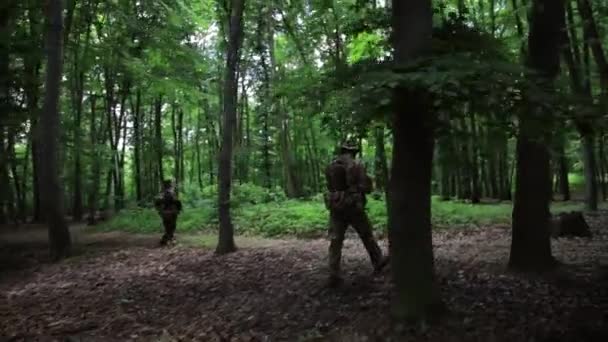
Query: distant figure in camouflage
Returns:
{"type": "Point", "coordinates": [168, 206]}
{"type": "Point", "coordinates": [347, 185]}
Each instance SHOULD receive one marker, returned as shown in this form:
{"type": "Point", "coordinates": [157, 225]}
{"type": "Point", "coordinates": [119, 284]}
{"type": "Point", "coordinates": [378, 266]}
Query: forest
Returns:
{"type": "Point", "coordinates": [481, 123]}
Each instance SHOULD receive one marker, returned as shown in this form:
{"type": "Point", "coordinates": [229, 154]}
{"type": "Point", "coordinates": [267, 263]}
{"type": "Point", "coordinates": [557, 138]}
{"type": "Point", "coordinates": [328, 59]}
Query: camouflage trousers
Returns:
{"type": "Point", "coordinates": [170, 224]}
{"type": "Point", "coordinates": [339, 223]}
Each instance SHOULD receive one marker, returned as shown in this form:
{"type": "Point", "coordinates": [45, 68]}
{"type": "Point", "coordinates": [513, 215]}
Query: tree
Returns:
{"type": "Point", "coordinates": [226, 232]}
{"type": "Point", "coordinates": [592, 37]}
{"type": "Point", "coordinates": [409, 219]}
{"type": "Point", "coordinates": [531, 245]}
{"type": "Point", "coordinates": [49, 130]}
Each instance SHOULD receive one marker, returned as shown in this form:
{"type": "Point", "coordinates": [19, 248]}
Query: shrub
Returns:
{"type": "Point", "coordinates": [309, 218]}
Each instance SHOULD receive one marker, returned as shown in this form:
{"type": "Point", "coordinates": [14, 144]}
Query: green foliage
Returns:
{"type": "Point", "coordinates": [245, 194]}
{"type": "Point", "coordinates": [366, 46]}
{"type": "Point", "coordinates": [306, 219]}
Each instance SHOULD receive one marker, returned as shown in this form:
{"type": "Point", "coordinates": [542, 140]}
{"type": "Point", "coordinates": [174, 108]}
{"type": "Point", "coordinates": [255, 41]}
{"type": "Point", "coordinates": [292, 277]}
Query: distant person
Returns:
{"type": "Point", "coordinates": [347, 185]}
{"type": "Point", "coordinates": [168, 206]}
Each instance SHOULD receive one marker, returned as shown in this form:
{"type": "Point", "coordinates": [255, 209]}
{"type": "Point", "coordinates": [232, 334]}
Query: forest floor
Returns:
{"type": "Point", "coordinates": [123, 287]}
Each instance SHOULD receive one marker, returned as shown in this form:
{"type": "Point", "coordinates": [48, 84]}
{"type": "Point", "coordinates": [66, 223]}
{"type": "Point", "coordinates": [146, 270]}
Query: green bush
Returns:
{"type": "Point", "coordinates": [245, 194]}
{"type": "Point", "coordinates": [310, 218]}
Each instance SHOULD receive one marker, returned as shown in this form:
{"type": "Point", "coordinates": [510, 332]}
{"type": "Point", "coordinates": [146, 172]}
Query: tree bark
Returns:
{"type": "Point", "coordinates": [530, 244]}
{"type": "Point", "coordinates": [266, 94]}
{"type": "Point", "coordinates": [52, 194]}
{"type": "Point", "coordinates": [159, 137]}
{"type": "Point", "coordinates": [5, 105]}
{"type": "Point", "coordinates": [77, 207]}
{"type": "Point", "coordinates": [380, 166]}
{"type": "Point", "coordinates": [226, 231]}
{"type": "Point", "coordinates": [584, 125]}
{"type": "Point", "coordinates": [137, 147]}
{"type": "Point", "coordinates": [564, 183]}
{"type": "Point", "coordinates": [602, 165]}
{"type": "Point", "coordinates": [409, 207]}
{"type": "Point", "coordinates": [474, 161]}
{"type": "Point", "coordinates": [590, 164]}
{"type": "Point", "coordinates": [93, 190]}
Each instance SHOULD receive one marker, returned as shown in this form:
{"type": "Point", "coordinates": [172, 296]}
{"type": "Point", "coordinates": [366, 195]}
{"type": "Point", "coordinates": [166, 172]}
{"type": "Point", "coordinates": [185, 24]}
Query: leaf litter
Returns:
{"type": "Point", "coordinates": [276, 293]}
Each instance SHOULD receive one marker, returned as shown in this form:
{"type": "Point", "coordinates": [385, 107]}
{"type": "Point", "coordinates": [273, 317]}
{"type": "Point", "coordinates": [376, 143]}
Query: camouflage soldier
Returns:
{"type": "Point", "coordinates": [168, 206]}
{"type": "Point", "coordinates": [347, 185]}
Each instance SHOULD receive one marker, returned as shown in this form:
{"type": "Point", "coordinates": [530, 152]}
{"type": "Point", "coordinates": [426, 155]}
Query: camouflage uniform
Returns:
{"type": "Point", "coordinates": [169, 207]}
{"type": "Point", "coordinates": [347, 185]}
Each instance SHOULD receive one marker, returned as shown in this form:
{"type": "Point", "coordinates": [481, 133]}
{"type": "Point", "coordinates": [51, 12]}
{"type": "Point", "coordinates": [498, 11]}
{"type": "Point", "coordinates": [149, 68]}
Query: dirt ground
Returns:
{"type": "Point", "coordinates": [123, 287]}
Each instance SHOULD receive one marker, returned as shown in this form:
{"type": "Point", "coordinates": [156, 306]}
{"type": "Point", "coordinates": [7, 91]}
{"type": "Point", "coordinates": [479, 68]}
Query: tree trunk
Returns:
{"type": "Point", "coordinates": [409, 207]}
{"type": "Point", "coordinates": [593, 38]}
{"type": "Point", "coordinates": [474, 161]}
{"type": "Point", "coordinates": [588, 146]}
{"type": "Point", "coordinates": [266, 94]}
{"type": "Point", "coordinates": [197, 146]}
{"type": "Point", "coordinates": [52, 194]}
{"type": "Point", "coordinates": [602, 165]}
{"type": "Point", "coordinates": [530, 244]}
{"type": "Point", "coordinates": [137, 147]}
{"type": "Point", "coordinates": [226, 232]}
{"type": "Point", "coordinates": [93, 190]}
{"type": "Point", "coordinates": [176, 160]}
{"type": "Point", "coordinates": [159, 137]}
{"type": "Point", "coordinates": [564, 184]}
{"type": "Point", "coordinates": [380, 167]}
{"type": "Point", "coordinates": [4, 181]}
{"type": "Point", "coordinates": [5, 106]}
{"type": "Point", "coordinates": [77, 207]}
{"type": "Point", "coordinates": [584, 126]}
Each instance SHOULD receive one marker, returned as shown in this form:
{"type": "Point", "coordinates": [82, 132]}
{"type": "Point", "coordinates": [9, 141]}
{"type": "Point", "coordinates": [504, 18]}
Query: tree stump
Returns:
{"type": "Point", "coordinates": [571, 224]}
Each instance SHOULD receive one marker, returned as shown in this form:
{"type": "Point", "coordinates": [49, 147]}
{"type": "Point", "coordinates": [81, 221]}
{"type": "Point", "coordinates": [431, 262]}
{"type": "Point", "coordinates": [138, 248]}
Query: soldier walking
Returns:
{"type": "Point", "coordinates": [168, 206]}
{"type": "Point", "coordinates": [347, 185]}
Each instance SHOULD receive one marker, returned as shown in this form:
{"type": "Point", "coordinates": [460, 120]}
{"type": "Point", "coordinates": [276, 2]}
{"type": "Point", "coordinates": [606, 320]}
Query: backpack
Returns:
{"type": "Point", "coordinates": [336, 175]}
{"type": "Point", "coordinates": [339, 185]}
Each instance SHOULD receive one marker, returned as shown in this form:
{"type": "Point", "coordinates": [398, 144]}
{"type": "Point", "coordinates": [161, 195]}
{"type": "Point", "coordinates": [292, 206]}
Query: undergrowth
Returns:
{"type": "Point", "coordinates": [309, 218]}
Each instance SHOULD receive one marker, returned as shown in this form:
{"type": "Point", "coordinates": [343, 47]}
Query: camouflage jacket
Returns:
{"type": "Point", "coordinates": [347, 183]}
{"type": "Point", "coordinates": [167, 203]}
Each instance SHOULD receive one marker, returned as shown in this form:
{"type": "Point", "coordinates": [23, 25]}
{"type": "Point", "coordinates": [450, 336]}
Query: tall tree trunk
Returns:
{"type": "Point", "coordinates": [530, 244]}
{"type": "Point", "coordinates": [583, 125]}
{"type": "Point", "coordinates": [37, 205]}
{"type": "Point", "coordinates": [409, 207]}
{"type": "Point", "coordinates": [266, 94]}
{"type": "Point", "coordinates": [197, 146]}
{"type": "Point", "coordinates": [593, 38]}
{"type": "Point", "coordinates": [93, 190]}
{"type": "Point", "coordinates": [176, 160]}
{"type": "Point", "coordinates": [474, 164]}
{"type": "Point", "coordinates": [589, 162]}
{"type": "Point", "coordinates": [493, 165]}
{"type": "Point", "coordinates": [159, 146]}
{"type": "Point", "coordinates": [602, 165]}
{"type": "Point", "coordinates": [380, 167]}
{"type": "Point", "coordinates": [52, 193]}
{"type": "Point", "coordinates": [564, 184]}
{"type": "Point", "coordinates": [5, 104]}
{"type": "Point", "coordinates": [4, 180]}
{"type": "Point", "coordinates": [137, 147]}
{"type": "Point", "coordinates": [226, 231]}
{"type": "Point", "coordinates": [77, 207]}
